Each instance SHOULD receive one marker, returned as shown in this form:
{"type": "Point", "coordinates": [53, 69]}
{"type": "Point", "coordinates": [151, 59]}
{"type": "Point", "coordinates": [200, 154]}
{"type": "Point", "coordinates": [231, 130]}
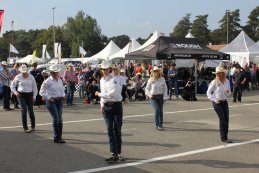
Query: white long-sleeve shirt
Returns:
{"type": "Point", "coordinates": [216, 93]}
{"type": "Point", "coordinates": [155, 87]}
{"type": "Point", "coordinates": [24, 85]}
{"type": "Point", "coordinates": [110, 90]}
{"type": "Point", "coordinates": [52, 88]}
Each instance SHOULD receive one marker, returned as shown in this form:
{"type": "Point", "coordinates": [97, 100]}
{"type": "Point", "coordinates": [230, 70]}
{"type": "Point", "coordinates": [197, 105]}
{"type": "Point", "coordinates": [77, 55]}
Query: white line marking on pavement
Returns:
{"type": "Point", "coordinates": [167, 157]}
{"type": "Point", "coordinates": [130, 116]}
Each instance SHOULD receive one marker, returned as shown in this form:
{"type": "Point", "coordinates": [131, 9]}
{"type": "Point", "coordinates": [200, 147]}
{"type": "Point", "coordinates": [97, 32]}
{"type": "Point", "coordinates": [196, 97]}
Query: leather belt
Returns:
{"type": "Point", "coordinates": [110, 104]}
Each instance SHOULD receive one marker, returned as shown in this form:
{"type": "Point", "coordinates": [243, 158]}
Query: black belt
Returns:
{"type": "Point", "coordinates": [57, 98]}
{"type": "Point", "coordinates": [110, 104]}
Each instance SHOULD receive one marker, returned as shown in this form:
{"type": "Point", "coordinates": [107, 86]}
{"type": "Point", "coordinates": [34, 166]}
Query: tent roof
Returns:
{"type": "Point", "coordinates": [153, 38]}
{"type": "Point", "coordinates": [255, 47]}
{"type": "Point", "coordinates": [240, 44]}
{"type": "Point", "coordinates": [110, 49]}
{"type": "Point", "coordinates": [28, 59]}
{"type": "Point", "coordinates": [189, 35]}
{"type": "Point", "coordinates": [168, 48]}
{"type": "Point", "coordinates": [130, 47]}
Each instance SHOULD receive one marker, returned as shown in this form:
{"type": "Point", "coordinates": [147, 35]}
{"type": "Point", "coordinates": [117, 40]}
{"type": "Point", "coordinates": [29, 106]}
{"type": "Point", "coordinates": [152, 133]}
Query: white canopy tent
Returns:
{"type": "Point", "coordinates": [104, 54]}
{"type": "Point", "coordinates": [153, 38]}
{"type": "Point", "coordinates": [240, 50]}
{"type": "Point", "coordinates": [28, 60]}
{"type": "Point", "coordinates": [130, 47]}
{"type": "Point", "coordinates": [189, 35]}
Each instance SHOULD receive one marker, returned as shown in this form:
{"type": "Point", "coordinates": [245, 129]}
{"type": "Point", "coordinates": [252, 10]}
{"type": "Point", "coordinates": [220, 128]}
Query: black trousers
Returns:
{"type": "Point", "coordinates": [6, 97]}
{"type": "Point", "coordinates": [237, 92]}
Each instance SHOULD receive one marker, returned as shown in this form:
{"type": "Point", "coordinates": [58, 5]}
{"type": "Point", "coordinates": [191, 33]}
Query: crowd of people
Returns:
{"type": "Point", "coordinates": [111, 85]}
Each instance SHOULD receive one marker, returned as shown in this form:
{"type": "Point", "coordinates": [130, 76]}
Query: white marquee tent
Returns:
{"type": "Point", "coordinates": [189, 35]}
{"type": "Point", "coordinates": [153, 38]}
{"type": "Point", "coordinates": [240, 50]}
{"type": "Point", "coordinates": [104, 54]}
{"type": "Point", "coordinates": [255, 47]}
{"type": "Point", "coordinates": [130, 47]}
{"type": "Point", "coordinates": [28, 60]}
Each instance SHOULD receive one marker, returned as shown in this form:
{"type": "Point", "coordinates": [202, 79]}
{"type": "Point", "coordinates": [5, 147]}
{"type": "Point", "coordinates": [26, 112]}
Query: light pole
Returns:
{"type": "Point", "coordinates": [227, 11]}
{"type": "Point", "coordinates": [12, 32]}
{"type": "Point", "coordinates": [54, 30]}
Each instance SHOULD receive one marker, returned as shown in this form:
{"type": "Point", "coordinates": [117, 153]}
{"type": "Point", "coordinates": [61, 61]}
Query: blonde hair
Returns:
{"type": "Point", "coordinates": [152, 75]}
{"type": "Point", "coordinates": [218, 81]}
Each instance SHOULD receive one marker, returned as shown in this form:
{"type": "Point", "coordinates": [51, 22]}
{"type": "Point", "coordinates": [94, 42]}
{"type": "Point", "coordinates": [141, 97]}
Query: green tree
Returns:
{"type": "Point", "coordinates": [252, 27]}
{"type": "Point", "coordinates": [230, 22]}
{"type": "Point", "coordinates": [183, 26]}
{"type": "Point", "coordinates": [83, 29]}
{"type": "Point", "coordinates": [120, 40]}
{"type": "Point", "coordinates": [4, 48]}
{"type": "Point", "coordinates": [200, 29]}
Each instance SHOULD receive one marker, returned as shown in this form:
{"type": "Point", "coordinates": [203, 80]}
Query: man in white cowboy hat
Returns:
{"type": "Point", "coordinates": [111, 107]}
{"type": "Point", "coordinates": [218, 91]}
{"type": "Point", "coordinates": [25, 88]}
{"type": "Point", "coordinates": [5, 78]}
{"type": "Point", "coordinates": [70, 79]}
{"type": "Point", "coordinates": [52, 91]}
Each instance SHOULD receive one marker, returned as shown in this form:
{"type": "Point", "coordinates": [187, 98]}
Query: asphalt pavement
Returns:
{"type": "Point", "coordinates": [189, 143]}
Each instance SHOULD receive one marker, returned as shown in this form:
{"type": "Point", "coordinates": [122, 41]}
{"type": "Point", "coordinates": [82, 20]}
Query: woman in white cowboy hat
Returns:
{"type": "Point", "coordinates": [112, 110]}
{"type": "Point", "coordinates": [25, 88]}
{"type": "Point", "coordinates": [52, 91]}
{"type": "Point", "coordinates": [156, 90]}
{"type": "Point", "coordinates": [217, 92]}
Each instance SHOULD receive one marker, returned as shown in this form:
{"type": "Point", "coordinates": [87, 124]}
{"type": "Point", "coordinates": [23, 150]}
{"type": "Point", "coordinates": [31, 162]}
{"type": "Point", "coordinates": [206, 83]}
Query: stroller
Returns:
{"type": "Point", "coordinates": [140, 92]}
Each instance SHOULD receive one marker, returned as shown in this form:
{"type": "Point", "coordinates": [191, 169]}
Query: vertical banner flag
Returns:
{"type": "Point", "coordinates": [1, 18]}
{"type": "Point", "coordinates": [82, 51]}
{"type": "Point", "coordinates": [56, 50]}
{"type": "Point", "coordinates": [13, 49]}
{"type": "Point", "coordinates": [47, 55]}
{"type": "Point", "coordinates": [59, 53]}
{"type": "Point", "coordinates": [33, 57]}
{"type": "Point", "coordinates": [44, 46]}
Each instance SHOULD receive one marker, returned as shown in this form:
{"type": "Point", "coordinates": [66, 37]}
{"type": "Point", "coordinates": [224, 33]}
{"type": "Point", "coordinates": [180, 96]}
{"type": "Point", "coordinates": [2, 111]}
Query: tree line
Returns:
{"type": "Point", "coordinates": [83, 30]}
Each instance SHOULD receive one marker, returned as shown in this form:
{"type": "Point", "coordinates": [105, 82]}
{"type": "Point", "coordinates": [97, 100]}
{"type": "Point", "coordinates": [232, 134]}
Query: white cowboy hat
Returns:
{"type": "Point", "coordinates": [4, 63]}
{"type": "Point", "coordinates": [220, 69]}
{"type": "Point", "coordinates": [54, 68]}
{"type": "Point", "coordinates": [70, 65]}
{"type": "Point", "coordinates": [105, 64]}
{"type": "Point", "coordinates": [156, 68]}
{"type": "Point", "coordinates": [44, 71]}
{"type": "Point", "coordinates": [123, 70]}
{"type": "Point", "coordinates": [23, 69]}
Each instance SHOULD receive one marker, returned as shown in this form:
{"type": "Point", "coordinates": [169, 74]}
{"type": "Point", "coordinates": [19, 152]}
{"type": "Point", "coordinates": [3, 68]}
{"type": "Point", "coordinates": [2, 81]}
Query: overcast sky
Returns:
{"type": "Point", "coordinates": [135, 18]}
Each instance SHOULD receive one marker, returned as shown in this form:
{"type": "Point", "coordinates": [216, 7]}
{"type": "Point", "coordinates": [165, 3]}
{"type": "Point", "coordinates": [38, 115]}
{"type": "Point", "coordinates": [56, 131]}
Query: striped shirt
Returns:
{"type": "Point", "coordinates": [4, 77]}
{"type": "Point", "coordinates": [70, 76]}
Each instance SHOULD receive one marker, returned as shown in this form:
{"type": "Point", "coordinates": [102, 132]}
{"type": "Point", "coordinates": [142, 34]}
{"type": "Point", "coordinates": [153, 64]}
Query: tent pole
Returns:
{"type": "Point", "coordinates": [195, 75]}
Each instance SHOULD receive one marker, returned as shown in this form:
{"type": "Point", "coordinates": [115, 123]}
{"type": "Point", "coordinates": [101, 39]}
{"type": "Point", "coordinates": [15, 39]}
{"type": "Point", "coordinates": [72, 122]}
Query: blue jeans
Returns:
{"type": "Point", "coordinates": [26, 102]}
{"type": "Point", "coordinates": [113, 120]}
{"type": "Point", "coordinates": [157, 103]}
{"type": "Point", "coordinates": [223, 113]}
{"type": "Point", "coordinates": [70, 92]}
{"type": "Point", "coordinates": [171, 85]}
{"type": "Point", "coordinates": [81, 91]}
{"type": "Point", "coordinates": [6, 97]}
{"type": "Point", "coordinates": [55, 110]}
